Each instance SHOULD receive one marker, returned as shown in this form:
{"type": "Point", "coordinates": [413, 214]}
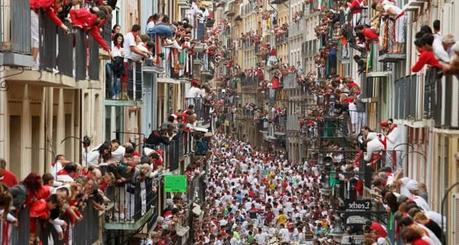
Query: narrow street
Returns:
{"type": "Point", "coordinates": [256, 197]}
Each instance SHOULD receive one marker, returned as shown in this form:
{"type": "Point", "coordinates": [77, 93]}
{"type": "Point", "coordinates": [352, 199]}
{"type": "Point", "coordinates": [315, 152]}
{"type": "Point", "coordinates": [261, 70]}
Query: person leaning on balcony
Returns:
{"type": "Point", "coordinates": [7, 177]}
{"type": "Point", "coordinates": [131, 49]}
{"type": "Point", "coordinates": [91, 21]}
{"type": "Point", "coordinates": [426, 55]}
{"type": "Point", "coordinates": [453, 66]}
{"type": "Point", "coordinates": [50, 8]}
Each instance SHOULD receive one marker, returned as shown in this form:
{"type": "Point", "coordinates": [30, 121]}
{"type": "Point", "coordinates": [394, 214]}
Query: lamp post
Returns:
{"type": "Point", "coordinates": [444, 238]}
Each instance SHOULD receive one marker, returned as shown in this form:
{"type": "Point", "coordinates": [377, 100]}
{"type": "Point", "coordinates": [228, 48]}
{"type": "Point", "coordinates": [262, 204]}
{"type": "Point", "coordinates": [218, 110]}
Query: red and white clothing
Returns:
{"type": "Point", "coordinates": [8, 179]}
{"type": "Point", "coordinates": [427, 57]}
{"type": "Point", "coordinates": [83, 18]}
{"type": "Point", "coordinates": [129, 41]}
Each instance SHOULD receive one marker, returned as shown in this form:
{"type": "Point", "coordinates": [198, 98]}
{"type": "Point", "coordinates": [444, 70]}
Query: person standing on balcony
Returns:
{"type": "Point", "coordinates": [116, 67]}
{"type": "Point", "coordinates": [131, 49]}
{"type": "Point", "coordinates": [50, 8]}
{"type": "Point", "coordinates": [437, 46]}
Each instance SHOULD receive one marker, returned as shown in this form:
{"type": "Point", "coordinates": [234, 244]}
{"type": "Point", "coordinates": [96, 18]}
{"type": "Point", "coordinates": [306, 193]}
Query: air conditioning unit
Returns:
{"type": "Point", "coordinates": [454, 225]}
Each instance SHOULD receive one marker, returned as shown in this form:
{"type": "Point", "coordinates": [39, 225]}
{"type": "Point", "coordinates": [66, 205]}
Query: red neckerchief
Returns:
{"type": "Point", "coordinates": [391, 128]}
{"type": "Point", "coordinates": [383, 141]}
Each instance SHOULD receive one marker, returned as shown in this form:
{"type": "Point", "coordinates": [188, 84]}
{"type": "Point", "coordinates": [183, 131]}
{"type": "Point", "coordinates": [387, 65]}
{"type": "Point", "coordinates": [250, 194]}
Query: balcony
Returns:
{"type": "Point", "coordinates": [201, 108]}
{"type": "Point", "coordinates": [63, 58]}
{"type": "Point", "coordinates": [407, 98]}
{"type": "Point", "coordinates": [440, 100]}
{"type": "Point", "coordinates": [280, 125]}
{"type": "Point", "coordinates": [131, 209]}
{"type": "Point", "coordinates": [89, 226]}
{"type": "Point", "coordinates": [282, 38]}
{"type": "Point", "coordinates": [392, 51]}
{"type": "Point", "coordinates": [15, 41]}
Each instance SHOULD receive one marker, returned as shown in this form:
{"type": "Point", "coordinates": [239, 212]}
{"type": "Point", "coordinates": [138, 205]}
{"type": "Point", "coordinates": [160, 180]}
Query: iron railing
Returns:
{"type": "Point", "coordinates": [432, 94]}
{"type": "Point", "coordinates": [15, 26]}
{"type": "Point", "coordinates": [85, 232]}
{"type": "Point", "coordinates": [201, 109]}
{"type": "Point", "coordinates": [131, 201]}
{"type": "Point", "coordinates": [406, 97]}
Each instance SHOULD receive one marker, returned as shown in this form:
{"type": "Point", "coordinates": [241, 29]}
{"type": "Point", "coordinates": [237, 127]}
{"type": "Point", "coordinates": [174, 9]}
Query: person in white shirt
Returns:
{"type": "Point", "coordinates": [58, 164]}
{"type": "Point", "coordinates": [284, 233]}
{"type": "Point", "coordinates": [131, 50]}
{"type": "Point", "coordinates": [261, 236]}
{"type": "Point", "coordinates": [117, 151]}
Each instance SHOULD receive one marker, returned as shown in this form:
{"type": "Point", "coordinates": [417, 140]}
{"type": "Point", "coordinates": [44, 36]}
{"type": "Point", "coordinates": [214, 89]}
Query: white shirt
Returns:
{"type": "Point", "coordinates": [261, 238]}
{"type": "Point", "coordinates": [117, 52]}
{"type": "Point", "coordinates": [56, 168]}
{"type": "Point", "coordinates": [193, 92]}
{"type": "Point", "coordinates": [118, 154]}
{"type": "Point", "coordinates": [129, 41]}
{"type": "Point", "coordinates": [421, 202]}
{"type": "Point", "coordinates": [136, 57]}
{"type": "Point", "coordinates": [438, 49]}
{"type": "Point", "coordinates": [285, 234]}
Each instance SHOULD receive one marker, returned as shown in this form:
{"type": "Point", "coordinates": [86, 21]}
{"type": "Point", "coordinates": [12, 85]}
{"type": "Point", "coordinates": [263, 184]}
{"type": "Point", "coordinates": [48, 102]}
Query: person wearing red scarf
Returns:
{"type": "Point", "coordinates": [91, 23]}
{"type": "Point", "coordinates": [426, 55]}
{"type": "Point", "coordinates": [50, 8]}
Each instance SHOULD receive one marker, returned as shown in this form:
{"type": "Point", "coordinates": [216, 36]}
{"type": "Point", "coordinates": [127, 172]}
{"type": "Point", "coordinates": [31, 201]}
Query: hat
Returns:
{"type": "Point", "coordinates": [456, 47]}
{"type": "Point", "coordinates": [412, 185]}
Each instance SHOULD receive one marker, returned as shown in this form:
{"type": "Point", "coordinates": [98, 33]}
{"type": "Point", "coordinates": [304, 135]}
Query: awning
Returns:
{"type": "Point", "coordinates": [168, 80]}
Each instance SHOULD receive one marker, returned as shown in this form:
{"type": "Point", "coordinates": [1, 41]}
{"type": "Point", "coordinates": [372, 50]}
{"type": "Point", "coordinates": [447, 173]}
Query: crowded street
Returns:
{"type": "Point", "coordinates": [229, 122]}
{"type": "Point", "coordinates": [256, 197]}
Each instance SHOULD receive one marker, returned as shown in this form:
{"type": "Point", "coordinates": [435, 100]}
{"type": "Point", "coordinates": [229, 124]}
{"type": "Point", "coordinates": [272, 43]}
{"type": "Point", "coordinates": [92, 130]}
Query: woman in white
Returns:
{"type": "Point", "coordinates": [117, 55]}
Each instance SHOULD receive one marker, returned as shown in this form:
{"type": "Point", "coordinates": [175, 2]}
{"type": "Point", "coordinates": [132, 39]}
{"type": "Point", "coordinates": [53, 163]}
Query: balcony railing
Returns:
{"type": "Point", "coordinates": [15, 26]}
{"type": "Point", "coordinates": [432, 95]}
{"type": "Point", "coordinates": [439, 102]}
{"type": "Point", "coordinates": [280, 124]}
{"type": "Point", "coordinates": [282, 38]}
{"type": "Point", "coordinates": [87, 231]}
{"type": "Point", "coordinates": [134, 205]}
{"type": "Point", "coordinates": [393, 45]}
{"type": "Point", "coordinates": [406, 98]}
{"type": "Point", "coordinates": [59, 52]}
{"type": "Point", "coordinates": [200, 108]}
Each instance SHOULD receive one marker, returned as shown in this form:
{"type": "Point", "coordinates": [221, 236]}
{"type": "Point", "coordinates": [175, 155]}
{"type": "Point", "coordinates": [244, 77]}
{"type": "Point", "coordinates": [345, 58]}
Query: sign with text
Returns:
{"type": "Point", "coordinates": [175, 183]}
{"type": "Point", "coordinates": [357, 206]}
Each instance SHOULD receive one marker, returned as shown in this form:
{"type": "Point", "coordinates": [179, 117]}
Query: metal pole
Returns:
{"type": "Point", "coordinates": [444, 238]}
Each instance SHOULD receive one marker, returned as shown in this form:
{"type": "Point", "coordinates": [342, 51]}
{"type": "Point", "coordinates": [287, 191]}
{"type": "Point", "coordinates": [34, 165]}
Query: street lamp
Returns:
{"type": "Point", "coordinates": [444, 239]}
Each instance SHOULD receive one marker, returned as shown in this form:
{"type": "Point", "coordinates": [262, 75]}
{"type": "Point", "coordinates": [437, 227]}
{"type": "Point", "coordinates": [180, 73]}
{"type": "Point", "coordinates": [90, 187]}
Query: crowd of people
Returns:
{"type": "Point", "coordinates": [256, 197]}
{"type": "Point", "coordinates": [110, 173]}
{"type": "Point", "coordinates": [410, 218]}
